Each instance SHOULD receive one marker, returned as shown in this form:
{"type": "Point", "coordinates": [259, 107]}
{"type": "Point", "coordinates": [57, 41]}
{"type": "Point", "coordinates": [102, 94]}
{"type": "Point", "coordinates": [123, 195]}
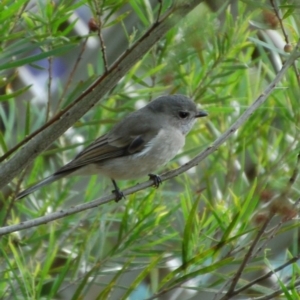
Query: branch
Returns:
{"type": "Point", "coordinates": [246, 259]}
{"type": "Point", "coordinates": [279, 291]}
{"type": "Point", "coordinates": [265, 276]}
{"type": "Point", "coordinates": [219, 141]}
{"type": "Point", "coordinates": [94, 93]}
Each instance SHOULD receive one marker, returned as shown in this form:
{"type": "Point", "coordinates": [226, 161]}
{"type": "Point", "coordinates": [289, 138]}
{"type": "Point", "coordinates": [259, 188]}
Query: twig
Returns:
{"type": "Point", "coordinates": [164, 291]}
{"type": "Point", "coordinates": [286, 38]}
{"type": "Point", "coordinates": [67, 85]}
{"type": "Point", "coordinates": [295, 172]}
{"type": "Point", "coordinates": [98, 28]}
{"type": "Point", "coordinates": [12, 201]}
{"type": "Point", "coordinates": [238, 123]}
{"type": "Point", "coordinates": [265, 276]}
{"type": "Point", "coordinates": [159, 10]}
{"type": "Point", "coordinates": [283, 197]}
{"type": "Point", "coordinates": [278, 292]}
{"type": "Point", "coordinates": [246, 259]}
{"type": "Point", "coordinates": [276, 10]}
{"type": "Point", "coordinates": [50, 60]}
{"type": "Point", "coordinates": [103, 48]}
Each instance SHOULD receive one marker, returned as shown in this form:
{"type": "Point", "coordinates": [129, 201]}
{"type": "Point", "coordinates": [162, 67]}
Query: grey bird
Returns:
{"type": "Point", "coordinates": [136, 146]}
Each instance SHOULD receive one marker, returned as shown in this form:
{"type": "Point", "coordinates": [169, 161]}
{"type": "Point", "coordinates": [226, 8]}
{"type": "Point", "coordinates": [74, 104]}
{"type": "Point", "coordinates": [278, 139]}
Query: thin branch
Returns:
{"type": "Point", "coordinates": [64, 120]}
{"type": "Point", "coordinates": [282, 198]}
{"type": "Point", "coordinates": [246, 259]}
{"type": "Point", "coordinates": [295, 173]}
{"type": "Point", "coordinates": [278, 292]}
{"type": "Point", "coordinates": [286, 37]}
{"type": "Point", "coordinates": [219, 141]}
{"type": "Point", "coordinates": [98, 28]}
{"type": "Point", "coordinates": [277, 13]}
{"type": "Point", "coordinates": [271, 232]}
{"type": "Point", "coordinates": [50, 61]}
{"type": "Point", "coordinates": [67, 85]}
{"type": "Point", "coordinates": [159, 10]}
{"type": "Point", "coordinates": [265, 276]}
{"type": "Point", "coordinates": [12, 201]}
{"type": "Point", "coordinates": [103, 48]}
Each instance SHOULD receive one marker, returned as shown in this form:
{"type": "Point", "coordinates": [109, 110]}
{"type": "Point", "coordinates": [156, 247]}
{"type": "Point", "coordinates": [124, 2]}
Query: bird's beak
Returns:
{"type": "Point", "coordinates": [201, 114]}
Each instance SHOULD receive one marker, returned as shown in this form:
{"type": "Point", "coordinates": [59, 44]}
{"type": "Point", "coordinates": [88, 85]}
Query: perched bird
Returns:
{"type": "Point", "coordinates": [136, 146]}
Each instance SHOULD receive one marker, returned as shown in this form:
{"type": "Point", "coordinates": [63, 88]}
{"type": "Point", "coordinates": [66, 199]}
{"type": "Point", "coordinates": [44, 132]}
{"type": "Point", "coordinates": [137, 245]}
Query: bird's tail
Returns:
{"type": "Point", "coordinates": [45, 181]}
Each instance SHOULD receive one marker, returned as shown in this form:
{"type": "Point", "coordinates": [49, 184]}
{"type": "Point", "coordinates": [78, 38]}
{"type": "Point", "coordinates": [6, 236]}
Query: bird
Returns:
{"type": "Point", "coordinates": [136, 146]}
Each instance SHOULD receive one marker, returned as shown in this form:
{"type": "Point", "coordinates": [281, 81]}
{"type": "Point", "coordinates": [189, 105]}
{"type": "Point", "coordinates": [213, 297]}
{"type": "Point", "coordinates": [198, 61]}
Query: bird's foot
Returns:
{"type": "Point", "coordinates": [156, 180]}
{"type": "Point", "coordinates": [119, 194]}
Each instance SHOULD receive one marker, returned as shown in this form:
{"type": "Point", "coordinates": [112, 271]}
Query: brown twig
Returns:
{"type": "Point", "coordinates": [278, 292]}
{"type": "Point", "coordinates": [159, 10]}
{"type": "Point", "coordinates": [50, 61]}
{"type": "Point", "coordinates": [286, 38]}
{"type": "Point", "coordinates": [265, 276]}
{"type": "Point", "coordinates": [98, 28]}
{"type": "Point", "coordinates": [12, 200]}
{"type": "Point", "coordinates": [246, 259]}
{"type": "Point", "coordinates": [295, 172]}
{"type": "Point", "coordinates": [282, 197]}
{"type": "Point", "coordinates": [76, 64]}
{"type": "Point", "coordinates": [277, 13]}
{"type": "Point", "coordinates": [103, 48]}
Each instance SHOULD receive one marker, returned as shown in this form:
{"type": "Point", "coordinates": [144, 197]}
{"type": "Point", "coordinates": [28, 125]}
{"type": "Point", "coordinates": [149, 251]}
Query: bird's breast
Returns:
{"type": "Point", "coordinates": [164, 146]}
{"type": "Point", "coordinates": [157, 152]}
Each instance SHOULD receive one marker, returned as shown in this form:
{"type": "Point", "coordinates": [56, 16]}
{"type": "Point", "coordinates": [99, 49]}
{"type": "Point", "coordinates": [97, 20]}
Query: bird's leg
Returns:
{"type": "Point", "coordinates": [119, 194]}
{"type": "Point", "coordinates": [156, 179]}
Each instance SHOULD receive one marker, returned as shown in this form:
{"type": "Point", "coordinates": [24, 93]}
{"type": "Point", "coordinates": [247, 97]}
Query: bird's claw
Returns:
{"type": "Point", "coordinates": [119, 195]}
{"type": "Point", "coordinates": [156, 180]}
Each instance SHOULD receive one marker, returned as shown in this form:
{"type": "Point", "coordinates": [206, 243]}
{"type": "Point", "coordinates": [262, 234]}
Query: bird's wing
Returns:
{"type": "Point", "coordinates": [105, 148]}
{"type": "Point", "coordinates": [109, 146]}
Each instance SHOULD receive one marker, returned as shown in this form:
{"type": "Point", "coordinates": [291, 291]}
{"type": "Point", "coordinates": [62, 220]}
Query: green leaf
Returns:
{"type": "Point", "coordinates": [14, 94]}
{"type": "Point", "coordinates": [27, 60]}
{"type": "Point", "coordinates": [138, 279]}
{"type": "Point", "coordinates": [189, 233]}
{"type": "Point", "coordinates": [11, 10]}
{"type": "Point", "coordinates": [289, 12]}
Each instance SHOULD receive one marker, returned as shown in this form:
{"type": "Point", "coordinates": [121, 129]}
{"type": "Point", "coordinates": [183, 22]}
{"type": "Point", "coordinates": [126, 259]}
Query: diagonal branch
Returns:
{"type": "Point", "coordinates": [265, 276]}
{"type": "Point", "coordinates": [218, 142]}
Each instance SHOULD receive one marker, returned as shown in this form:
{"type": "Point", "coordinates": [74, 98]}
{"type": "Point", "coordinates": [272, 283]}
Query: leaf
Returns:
{"type": "Point", "coordinates": [8, 11]}
{"type": "Point", "coordinates": [289, 12]}
{"type": "Point", "coordinates": [30, 59]}
{"type": "Point", "coordinates": [189, 231]}
{"type": "Point", "coordinates": [14, 94]}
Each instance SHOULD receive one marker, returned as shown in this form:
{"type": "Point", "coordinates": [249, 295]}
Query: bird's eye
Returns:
{"type": "Point", "coordinates": [183, 114]}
